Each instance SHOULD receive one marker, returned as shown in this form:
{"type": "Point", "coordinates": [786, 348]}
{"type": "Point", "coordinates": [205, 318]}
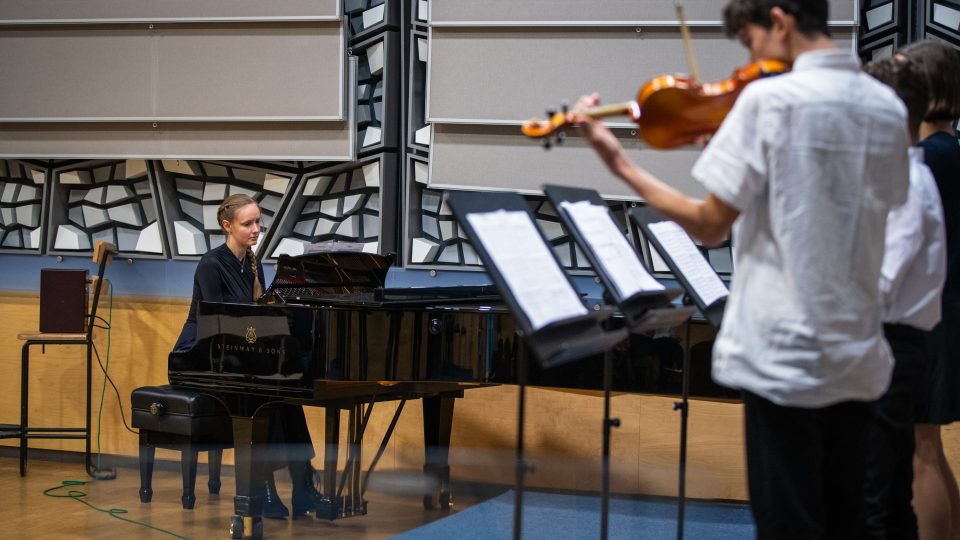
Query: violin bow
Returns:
{"type": "Point", "coordinates": [687, 40]}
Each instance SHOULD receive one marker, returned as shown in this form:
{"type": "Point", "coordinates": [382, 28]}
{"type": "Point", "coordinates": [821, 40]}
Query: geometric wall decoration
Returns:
{"type": "Point", "coordinates": [22, 187]}
{"type": "Point", "coordinates": [337, 204]}
{"type": "Point", "coordinates": [377, 112]}
{"type": "Point", "coordinates": [418, 130]}
{"type": "Point", "coordinates": [368, 17]}
{"type": "Point", "coordinates": [193, 190]}
{"type": "Point", "coordinates": [104, 200]}
{"type": "Point", "coordinates": [439, 240]}
{"type": "Point", "coordinates": [943, 20]}
{"type": "Point", "coordinates": [883, 28]}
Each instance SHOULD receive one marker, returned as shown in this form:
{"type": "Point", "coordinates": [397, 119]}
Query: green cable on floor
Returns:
{"type": "Point", "coordinates": [78, 495]}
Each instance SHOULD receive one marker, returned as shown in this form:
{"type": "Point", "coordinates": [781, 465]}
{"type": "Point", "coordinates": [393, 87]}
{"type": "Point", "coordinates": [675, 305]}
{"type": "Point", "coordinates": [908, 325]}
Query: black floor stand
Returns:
{"type": "Point", "coordinates": [608, 424]}
{"type": "Point", "coordinates": [522, 466]}
{"type": "Point", "coordinates": [684, 407]}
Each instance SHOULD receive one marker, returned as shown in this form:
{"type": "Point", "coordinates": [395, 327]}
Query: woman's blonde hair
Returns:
{"type": "Point", "coordinates": [227, 211]}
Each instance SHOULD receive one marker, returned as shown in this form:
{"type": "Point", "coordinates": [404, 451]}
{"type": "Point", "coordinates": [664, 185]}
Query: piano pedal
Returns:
{"type": "Point", "coordinates": [360, 509]}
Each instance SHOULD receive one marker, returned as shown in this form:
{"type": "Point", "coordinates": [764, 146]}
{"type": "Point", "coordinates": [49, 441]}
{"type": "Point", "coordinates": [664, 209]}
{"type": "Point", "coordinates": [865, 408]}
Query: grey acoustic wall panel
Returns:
{"type": "Point", "coordinates": [170, 72]}
{"type": "Point", "coordinates": [507, 12]}
{"type": "Point", "coordinates": [327, 141]}
{"type": "Point", "coordinates": [500, 158]}
{"type": "Point", "coordinates": [321, 141]}
{"type": "Point", "coordinates": [536, 68]}
{"type": "Point", "coordinates": [61, 11]}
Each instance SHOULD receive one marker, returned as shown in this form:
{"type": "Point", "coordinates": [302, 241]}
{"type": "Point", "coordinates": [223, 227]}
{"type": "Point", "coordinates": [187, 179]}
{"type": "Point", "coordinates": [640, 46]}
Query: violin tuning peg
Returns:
{"type": "Point", "coordinates": [547, 144]}
{"type": "Point", "coordinates": [565, 107]}
{"type": "Point", "coordinates": [561, 136]}
{"type": "Point", "coordinates": [551, 112]}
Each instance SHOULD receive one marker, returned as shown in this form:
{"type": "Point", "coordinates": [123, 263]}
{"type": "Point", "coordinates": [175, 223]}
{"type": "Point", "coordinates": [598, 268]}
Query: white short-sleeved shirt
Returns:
{"type": "Point", "coordinates": [915, 261]}
{"type": "Point", "coordinates": [814, 160]}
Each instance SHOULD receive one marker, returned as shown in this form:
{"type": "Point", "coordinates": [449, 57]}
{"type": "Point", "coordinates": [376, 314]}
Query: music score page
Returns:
{"type": "Point", "coordinates": [532, 274]}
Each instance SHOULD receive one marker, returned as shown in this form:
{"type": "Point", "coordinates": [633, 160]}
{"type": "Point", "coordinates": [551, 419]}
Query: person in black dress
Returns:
{"type": "Point", "coordinates": [231, 273]}
{"type": "Point", "coordinates": [936, 497]}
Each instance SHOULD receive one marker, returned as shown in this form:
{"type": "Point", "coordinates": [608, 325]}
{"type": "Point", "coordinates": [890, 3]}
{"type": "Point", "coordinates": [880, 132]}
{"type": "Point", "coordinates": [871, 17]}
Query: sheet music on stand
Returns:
{"type": "Point", "coordinates": [643, 301]}
{"type": "Point", "coordinates": [686, 262]}
{"type": "Point", "coordinates": [617, 259]}
{"type": "Point", "coordinates": [528, 267]}
{"type": "Point", "coordinates": [556, 325]}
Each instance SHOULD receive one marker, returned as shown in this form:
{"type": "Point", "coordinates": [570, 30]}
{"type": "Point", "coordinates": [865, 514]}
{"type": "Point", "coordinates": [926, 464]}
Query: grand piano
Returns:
{"type": "Point", "coordinates": [329, 332]}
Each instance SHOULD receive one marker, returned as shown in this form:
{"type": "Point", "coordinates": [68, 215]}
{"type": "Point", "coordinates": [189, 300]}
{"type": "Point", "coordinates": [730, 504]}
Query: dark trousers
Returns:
{"type": "Point", "coordinates": [888, 488]}
{"type": "Point", "coordinates": [289, 437]}
{"type": "Point", "coordinates": [805, 469]}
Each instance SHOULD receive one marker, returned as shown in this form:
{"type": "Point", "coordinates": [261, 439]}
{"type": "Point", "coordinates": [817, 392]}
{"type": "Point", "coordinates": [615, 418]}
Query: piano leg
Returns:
{"type": "Point", "coordinates": [249, 438]}
{"type": "Point", "coordinates": [328, 507]}
{"type": "Point", "coordinates": [437, 425]}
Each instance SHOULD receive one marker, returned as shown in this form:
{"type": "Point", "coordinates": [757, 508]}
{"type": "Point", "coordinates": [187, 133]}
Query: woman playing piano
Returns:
{"type": "Point", "coordinates": [231, 273]}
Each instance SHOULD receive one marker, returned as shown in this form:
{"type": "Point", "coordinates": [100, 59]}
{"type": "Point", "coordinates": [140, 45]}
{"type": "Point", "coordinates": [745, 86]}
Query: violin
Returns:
{"type": "Point", "coordinates": [670, 110]}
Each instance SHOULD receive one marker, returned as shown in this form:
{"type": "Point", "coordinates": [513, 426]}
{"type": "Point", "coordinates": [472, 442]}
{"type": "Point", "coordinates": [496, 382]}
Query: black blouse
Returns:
{"type": "Point", "coordinates": [941, 152]}
{"type": "Point", "coordinates": [220, 277]}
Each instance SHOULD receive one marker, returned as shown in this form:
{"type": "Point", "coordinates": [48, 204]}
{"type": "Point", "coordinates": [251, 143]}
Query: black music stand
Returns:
{"type": "Point", "coordinates": [644, 303]}
{"type": "Point", "coordinates": [696, 276]}
{"type": "Point", "coordinates": [704, 287]}
{"type": "Point", "coordinates": [553, 322]}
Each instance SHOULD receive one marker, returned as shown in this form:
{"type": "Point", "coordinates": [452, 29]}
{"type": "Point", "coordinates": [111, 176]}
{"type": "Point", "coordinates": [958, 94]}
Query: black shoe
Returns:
{"type": "Point", "coordinates": [305, 494]}
{"type": "Point", "coordinates": [272, 505]}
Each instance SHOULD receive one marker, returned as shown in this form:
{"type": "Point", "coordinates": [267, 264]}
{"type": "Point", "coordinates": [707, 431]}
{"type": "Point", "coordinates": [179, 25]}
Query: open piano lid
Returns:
{"type": "Point", "coordinates": [351, 277]}
{"type": "Point", "coordinates": [348, 275]}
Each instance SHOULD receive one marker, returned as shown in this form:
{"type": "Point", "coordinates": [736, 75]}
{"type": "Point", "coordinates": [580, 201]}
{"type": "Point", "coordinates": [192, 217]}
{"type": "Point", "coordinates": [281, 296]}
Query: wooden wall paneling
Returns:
{"type": "Point", "coordinates": [563, 428]}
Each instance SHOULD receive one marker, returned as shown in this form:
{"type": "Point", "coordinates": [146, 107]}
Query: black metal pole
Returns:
{"type": "Point", "coordinates": [608, 424]}
{"type": "Point", "coordinates": [521, 466]}
{"type": "Point", "coordinates": [683, 405]}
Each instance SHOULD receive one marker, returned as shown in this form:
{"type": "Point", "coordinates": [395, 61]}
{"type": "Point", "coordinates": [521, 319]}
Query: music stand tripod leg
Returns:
{"type": "Point", "coordinates": [608, 425]}
{"type": "Point", "coordinates": [684, 407]}
{"type": "Point", "coordinates": [24, 406]}
{"type": "Point", "coordinates": [522, 466]}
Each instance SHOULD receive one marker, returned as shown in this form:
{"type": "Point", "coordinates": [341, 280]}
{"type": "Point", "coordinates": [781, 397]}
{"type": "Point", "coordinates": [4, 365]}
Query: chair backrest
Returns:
{"type": "Point", "coordinates": [102, 255]}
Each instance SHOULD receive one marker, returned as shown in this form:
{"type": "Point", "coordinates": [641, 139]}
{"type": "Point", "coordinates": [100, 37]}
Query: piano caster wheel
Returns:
{"type": "Point", "coordinates": [443, 501]}
{"type": "Point", "coordinates": [236, 527]}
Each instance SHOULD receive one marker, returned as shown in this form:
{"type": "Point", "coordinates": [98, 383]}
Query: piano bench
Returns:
{"type": "Point", "coordinates": [180, 419]}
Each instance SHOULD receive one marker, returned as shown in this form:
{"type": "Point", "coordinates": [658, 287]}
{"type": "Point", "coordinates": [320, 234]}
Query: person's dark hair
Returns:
{"type": "Point", "coordinates": [940, 64]}
{"type": "Point", "coordinates": [905, 75]}
{"type": "Point", "coordinates": [226, 212]}
{"type": "Point", "coordinates": [811, 15]}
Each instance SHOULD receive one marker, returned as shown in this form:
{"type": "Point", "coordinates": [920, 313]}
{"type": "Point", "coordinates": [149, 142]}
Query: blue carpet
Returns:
{"type": "Point", "coordinates": [554, 516]}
